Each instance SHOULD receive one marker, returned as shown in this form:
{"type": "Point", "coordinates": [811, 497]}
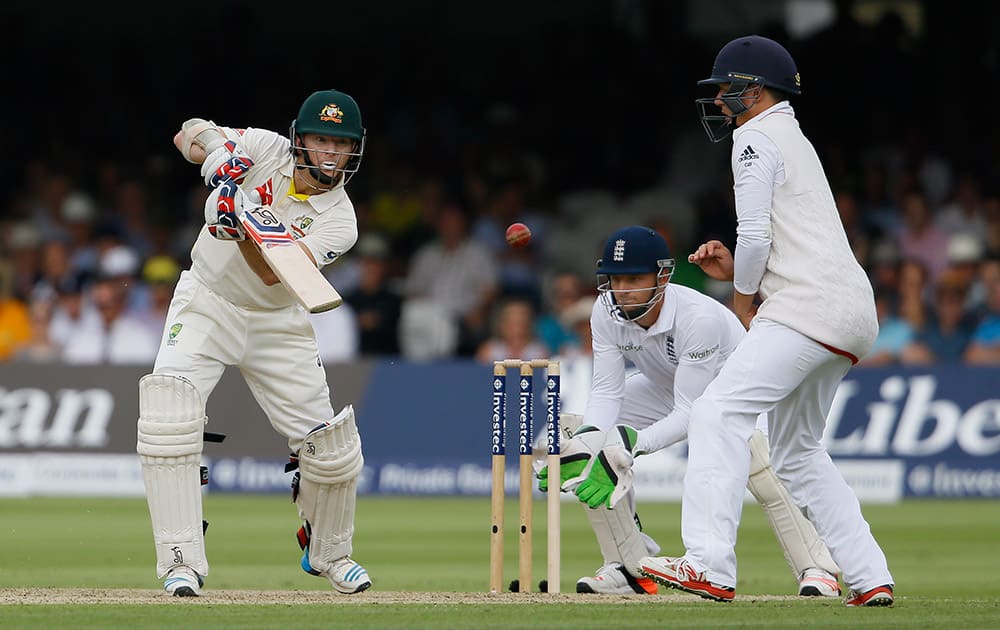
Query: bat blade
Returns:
{"type": "Point", "coordinates": [289, 262]}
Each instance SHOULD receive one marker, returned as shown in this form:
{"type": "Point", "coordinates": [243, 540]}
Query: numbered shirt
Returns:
{"type": "Point", "coordinates": [325, 223]}
{"type": "Point", "coordinates": [682, 352]}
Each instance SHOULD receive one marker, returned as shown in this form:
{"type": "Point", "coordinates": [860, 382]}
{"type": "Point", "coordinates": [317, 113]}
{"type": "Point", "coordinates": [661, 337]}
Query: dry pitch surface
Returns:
{"type": "Point", "coordinates": [9, 596]}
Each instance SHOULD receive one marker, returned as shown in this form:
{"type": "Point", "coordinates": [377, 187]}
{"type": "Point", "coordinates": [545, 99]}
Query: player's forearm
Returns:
{"type": "Point", "coordinates": [257, 263]}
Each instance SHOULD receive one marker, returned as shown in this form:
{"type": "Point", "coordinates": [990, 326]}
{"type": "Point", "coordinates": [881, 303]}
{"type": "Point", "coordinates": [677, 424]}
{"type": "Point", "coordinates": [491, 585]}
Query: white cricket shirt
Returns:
{"type": "Point", "coordinates": [325, 223]}
{"type": "Point", "coordinates": [791, 246]}
{"type": "Point", "coordinates": [682, 352]}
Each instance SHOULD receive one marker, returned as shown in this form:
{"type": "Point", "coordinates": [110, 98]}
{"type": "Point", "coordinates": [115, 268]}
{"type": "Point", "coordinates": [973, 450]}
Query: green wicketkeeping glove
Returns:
{"type": "Point", "coordinates": [575, 459]}
{"type": "Point", "coordinates": [610, 476]}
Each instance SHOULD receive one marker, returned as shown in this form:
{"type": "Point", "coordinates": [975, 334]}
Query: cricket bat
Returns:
{"type": "Point", "coordinates": [289, 262]}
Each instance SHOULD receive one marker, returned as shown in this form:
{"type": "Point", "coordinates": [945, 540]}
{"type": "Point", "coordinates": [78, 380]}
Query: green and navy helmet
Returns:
{"type": "Point", "coordinates": [329, 113]}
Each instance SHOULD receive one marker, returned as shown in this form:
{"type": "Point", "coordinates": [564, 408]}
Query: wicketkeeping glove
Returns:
{"type": "Point", "coordinates": [610, 477]}
{"type": "Point", "coordinates": [577, 455]}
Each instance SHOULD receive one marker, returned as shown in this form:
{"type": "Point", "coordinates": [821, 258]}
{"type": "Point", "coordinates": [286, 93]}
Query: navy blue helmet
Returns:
{"type": "Point", "coordinates": [746, 61]}
{"type": "Point", "coordinates": [633, 250]}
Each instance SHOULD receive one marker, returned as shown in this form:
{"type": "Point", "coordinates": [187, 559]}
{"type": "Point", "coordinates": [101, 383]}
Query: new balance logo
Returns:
{"type": "Point", "coordinates": [747, 155]}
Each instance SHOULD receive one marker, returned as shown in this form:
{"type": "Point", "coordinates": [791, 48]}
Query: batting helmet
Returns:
{"type": "Point", "coordinates": [746, 61]}
{"type": "Point", "coordinates": [330, 113]}
{"type": "Point", "coordinates": [633, 250]}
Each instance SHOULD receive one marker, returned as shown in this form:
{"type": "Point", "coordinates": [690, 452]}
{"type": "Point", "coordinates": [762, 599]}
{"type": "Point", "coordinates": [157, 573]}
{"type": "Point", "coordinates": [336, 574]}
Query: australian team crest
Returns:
{"type": "Point", "coordinates": [300, 225]}
{"type": "Point", "coordinates": [172, 334]}
{"type": "Point", "coordinates": [332, 113]}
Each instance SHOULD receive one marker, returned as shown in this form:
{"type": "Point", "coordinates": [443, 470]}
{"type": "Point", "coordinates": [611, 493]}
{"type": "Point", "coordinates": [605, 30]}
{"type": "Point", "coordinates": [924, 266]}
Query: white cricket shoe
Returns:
{"type": "Point", "coordinates": [347, 576]}
{"type": "Point", "coordinates": [677, 572]}
{"type": "Point", "coordinates": [183, 581]}
{"type": "Point", "coordinates": [613, 579]}
{"type": "Point", "coordinates": [818, 583]}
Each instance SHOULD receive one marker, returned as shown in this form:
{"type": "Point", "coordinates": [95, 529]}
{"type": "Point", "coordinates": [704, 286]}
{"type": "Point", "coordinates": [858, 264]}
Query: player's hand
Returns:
{"type": "Point", "coordinates": [610, 476]}
{"type": "Point", "coordinates": [228, 162]}
{"type": "Point", "coordinates": [575, 459]}
{"type": "Point", "coordinates": [715, 260]}
{"type": "Point", "coordinates": [224, 207]}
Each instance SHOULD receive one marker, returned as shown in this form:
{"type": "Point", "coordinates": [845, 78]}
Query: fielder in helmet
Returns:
{"type": "Point", "coordinates": [816, 318]}
{"type": "Point", "coordinates": [744, 70]}
{"type": "Point", "coordinates": [633, 272]}
{"type": "Point", "coordinates": [678, 339]}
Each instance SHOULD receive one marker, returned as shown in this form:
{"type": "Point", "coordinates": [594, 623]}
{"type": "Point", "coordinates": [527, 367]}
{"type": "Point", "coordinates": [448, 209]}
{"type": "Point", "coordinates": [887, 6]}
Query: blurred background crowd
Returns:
{"type": "Point", "coordinates": [574, 118]}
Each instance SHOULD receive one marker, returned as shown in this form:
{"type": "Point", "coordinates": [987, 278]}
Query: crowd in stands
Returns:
{"type": "Point", "coordinates": [85, 284]}
{"type": "Point", "coordinates": [90, 249]}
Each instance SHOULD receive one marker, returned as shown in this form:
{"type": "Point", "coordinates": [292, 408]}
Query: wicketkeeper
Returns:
{"type": "Point", "coordinates": [677, 339]}
{"type": "Point", "coordinates": [231, 309]}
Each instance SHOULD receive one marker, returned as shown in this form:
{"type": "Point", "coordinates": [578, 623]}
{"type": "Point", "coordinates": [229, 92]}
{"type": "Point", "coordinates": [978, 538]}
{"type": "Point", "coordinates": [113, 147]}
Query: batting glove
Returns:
{"type": "Point", "coordinates": [224, 207]}
{"type": "Point", "coordinates": [610, 477]}
{"type": "Point", "coordinates": [576, 458]}
{"type": "Point", "coordinates": [228, 162]}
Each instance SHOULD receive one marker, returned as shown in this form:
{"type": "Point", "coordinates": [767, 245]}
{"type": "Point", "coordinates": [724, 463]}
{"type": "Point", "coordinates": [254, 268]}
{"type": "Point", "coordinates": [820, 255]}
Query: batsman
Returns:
{"type": "Point", "coordinates": [230, 308]}
{"type": "Point", "coordinates": [677, 339]}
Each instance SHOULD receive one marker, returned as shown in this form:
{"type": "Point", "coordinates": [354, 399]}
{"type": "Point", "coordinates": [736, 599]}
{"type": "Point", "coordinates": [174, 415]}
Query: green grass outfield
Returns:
{"type": "Point", "coordinates": [88, 563]}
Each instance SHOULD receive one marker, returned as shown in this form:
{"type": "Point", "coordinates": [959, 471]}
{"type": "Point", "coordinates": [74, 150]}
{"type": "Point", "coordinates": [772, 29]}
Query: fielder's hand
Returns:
{"type": "Point", "coordinates": [715, 260]}
{"type": "Point", "coordinates": [610, 476]}
{"type": "Point", "coordinates": [223, 210]}
{"type": "Point", "coordinates": [574, 461]}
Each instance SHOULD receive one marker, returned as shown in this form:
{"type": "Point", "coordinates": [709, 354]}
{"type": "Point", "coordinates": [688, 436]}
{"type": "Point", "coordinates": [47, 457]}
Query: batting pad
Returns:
{"type": "Point", "coordinates": [171, 426]}
{"type": "Point", "coordinates": [330, 461]}
{"type": "Point", "coordinates": [799, 541]}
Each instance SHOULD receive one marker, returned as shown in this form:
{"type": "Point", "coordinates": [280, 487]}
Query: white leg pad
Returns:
{"type": "Point", "coordinates": [799, 541]}
{"type": "Point", "coordinates": [618, 536]}
{"type": "Point", "coordinates": [329, 464]}
{"type": "Point", "coordinates": [170, 440]}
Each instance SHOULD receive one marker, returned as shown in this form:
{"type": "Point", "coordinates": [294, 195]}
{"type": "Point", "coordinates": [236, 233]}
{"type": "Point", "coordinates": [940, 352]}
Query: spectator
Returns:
{"type": "Point", "coordinates": [963, 213]}
{"type": "Point", "coordinates": [160, 274]}
{"type": "Point", "coordinates": [947, 333]}
{"type": "Point", "coordinates": [911, 293]}
{"type": "Point", "coordinates": [15, 321]}
{"type": "Point", "coordinates": [40, 348]}
{"type": "Point", "coordinates": [965, 251]}
{"type": "Point", "coordinates": [376, 305]}
{"type": "Point", "coordinates": [894, 333]}
{"type": "Point", "coordinates": [552, 327]}
{"type": "Point", "coordinates": [919, 238]}
{"type": "Point", "coordinates": [984, 348]}
{"type": "Point", "coordinates": [77, 215]}
{"type": "Point", "coordinates": [513, 335]}
{"type": "Point", "coordinates": [577, 356]}
{"type": "Point", "coordinates": [73, 312]}
{"type": "Point", "coordinates": [55, 268]}
{"type": "Point", "coordinates": [117, 337]}
{"type": "Point", "coordinates": [459, 275]}
{"type": "Point", "coordinates": [336, 334]}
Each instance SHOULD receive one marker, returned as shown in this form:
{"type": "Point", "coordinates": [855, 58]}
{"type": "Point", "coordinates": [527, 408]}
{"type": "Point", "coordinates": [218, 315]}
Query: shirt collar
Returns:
{"type": "Point", "coordinates": [321, 202]}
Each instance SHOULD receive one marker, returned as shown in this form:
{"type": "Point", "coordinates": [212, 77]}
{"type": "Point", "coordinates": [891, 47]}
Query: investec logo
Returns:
{"type": "Point", "coordinates": [30, 418]}
{"type": "Point", "coordinates": [907, 421]}
{"type": "Point", "coordinates": [498, 428]}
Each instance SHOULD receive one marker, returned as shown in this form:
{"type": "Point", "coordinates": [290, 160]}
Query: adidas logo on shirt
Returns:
{"type": "Point", "coordinates": [747, 155]}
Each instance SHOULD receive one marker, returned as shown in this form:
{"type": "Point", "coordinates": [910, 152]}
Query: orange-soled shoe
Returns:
{"type": "Point", "coordinates": [878, 596]}
{"type": "Point", "coordinates": [678, 573]}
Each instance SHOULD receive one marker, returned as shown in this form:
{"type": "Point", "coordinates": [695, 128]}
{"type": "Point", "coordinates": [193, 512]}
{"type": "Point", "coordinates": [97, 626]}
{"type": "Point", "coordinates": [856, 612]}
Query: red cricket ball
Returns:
{"type": "Point", "coordinates": [518, 235]}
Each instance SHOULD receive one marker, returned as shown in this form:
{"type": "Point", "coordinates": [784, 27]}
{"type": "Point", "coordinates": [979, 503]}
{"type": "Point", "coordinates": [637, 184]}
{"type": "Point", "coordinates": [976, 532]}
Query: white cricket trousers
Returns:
{"type": "Point", "coordinates": [778, 371]}
{"type": "Point", "coordinates": [275, 351]}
